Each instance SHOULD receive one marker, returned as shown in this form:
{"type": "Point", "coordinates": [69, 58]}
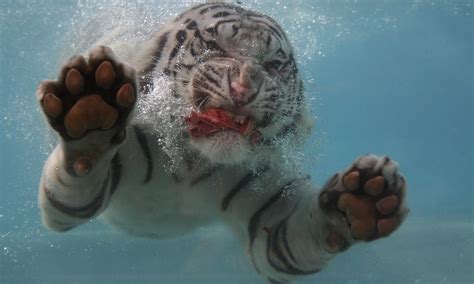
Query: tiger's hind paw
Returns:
{"type": "Point", "coordinates": [369, 197]}
{"type": "Point", "coordinates": [94, 94]}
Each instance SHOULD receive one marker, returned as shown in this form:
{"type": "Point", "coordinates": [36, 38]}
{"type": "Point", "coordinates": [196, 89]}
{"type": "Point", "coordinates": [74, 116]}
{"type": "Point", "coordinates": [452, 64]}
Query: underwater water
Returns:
{"type": "Point", "coordinates": [384, 77]}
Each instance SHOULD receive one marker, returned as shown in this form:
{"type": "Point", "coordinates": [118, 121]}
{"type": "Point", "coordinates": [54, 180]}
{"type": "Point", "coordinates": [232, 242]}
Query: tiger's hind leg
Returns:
{"type": "Point", "coordinates": [89, 104]}
{"type": "Point", "coordinates": [365, 202]}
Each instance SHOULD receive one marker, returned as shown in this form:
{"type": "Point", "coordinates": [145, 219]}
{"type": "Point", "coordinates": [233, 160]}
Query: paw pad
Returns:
{"type": "Point", "coordinates": [74, 82]}
{"type": "Point", "coordinates": [52, 105]}
{"type": "Point", "coordinates": [105, 75]}
{"type": "Point", "coordinates": [369, 196]}
{"type": "Point", "coordinates": [89, 112]}
{"type": "Point", "coordinates": [94, 95]}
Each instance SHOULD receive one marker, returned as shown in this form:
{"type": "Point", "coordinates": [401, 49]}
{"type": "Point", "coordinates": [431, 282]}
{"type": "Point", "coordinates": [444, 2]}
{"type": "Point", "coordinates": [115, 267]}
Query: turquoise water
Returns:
{"type": "Point", "coordinates": [385, 77]}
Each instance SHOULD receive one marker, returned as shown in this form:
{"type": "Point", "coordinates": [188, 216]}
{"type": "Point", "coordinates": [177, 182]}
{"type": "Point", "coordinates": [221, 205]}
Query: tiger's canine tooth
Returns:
{"type": "Point", "coordinates": [249, 129]}
{"type": "Point", "coordinates": [240, 119]}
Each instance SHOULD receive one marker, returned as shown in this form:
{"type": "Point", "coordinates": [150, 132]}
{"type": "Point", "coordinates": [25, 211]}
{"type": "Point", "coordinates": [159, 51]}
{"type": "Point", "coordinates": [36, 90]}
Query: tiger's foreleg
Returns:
{"type": "Point", "coordinates": [88, 106]}
{"type": "Point", "coordinates": [297, 236]}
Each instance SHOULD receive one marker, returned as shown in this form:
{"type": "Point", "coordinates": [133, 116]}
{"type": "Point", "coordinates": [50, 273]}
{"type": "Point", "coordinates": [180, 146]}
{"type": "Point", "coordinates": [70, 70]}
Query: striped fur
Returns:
{"type": "Point", "coordinates": [206, 47]}
{"type": "Point", "coordinates": [142, 189]}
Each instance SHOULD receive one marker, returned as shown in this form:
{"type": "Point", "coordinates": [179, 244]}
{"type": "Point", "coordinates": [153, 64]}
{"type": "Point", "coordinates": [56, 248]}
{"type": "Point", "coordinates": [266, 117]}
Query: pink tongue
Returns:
{"type": "Point", "coordinates": [211, 121]}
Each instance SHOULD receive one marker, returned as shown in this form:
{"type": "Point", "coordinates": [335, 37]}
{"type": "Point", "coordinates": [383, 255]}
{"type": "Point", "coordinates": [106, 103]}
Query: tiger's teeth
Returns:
{"type": "Point", "coordinates": [240, 119]}
{"type": "Point", "coordinates": [249, 129]}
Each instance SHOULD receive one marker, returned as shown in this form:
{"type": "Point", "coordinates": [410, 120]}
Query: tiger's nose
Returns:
{"type": "Point", "coordinates": [245, 86]}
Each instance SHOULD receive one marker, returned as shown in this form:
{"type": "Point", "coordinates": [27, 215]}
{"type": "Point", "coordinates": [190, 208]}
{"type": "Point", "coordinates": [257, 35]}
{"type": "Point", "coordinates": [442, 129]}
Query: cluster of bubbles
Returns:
{"type": "Point", "coordinates": [162, 114]}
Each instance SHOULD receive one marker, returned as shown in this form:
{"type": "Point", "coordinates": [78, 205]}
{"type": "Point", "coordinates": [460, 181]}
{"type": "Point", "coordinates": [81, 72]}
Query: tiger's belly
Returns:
{"type": "Point", "coordinates": [164, 210]}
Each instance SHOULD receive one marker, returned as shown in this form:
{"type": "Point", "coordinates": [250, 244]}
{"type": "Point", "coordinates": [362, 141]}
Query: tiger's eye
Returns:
{"type": "Point", "coordinates": [272, 65]}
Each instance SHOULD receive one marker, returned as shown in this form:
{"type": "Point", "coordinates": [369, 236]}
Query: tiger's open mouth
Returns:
{"type": "Point", "coordinates": [215, 119]}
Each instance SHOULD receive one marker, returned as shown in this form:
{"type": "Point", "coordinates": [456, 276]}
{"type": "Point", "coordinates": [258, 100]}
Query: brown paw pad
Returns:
{"type": "Point", "coordinates": [360, 213]}
{"type": "Point", "coordinates": [126, 95]}
{"type": "Point", "coordinates": [97, 93]}
{"type": "Point", "coordinates": [363, 229]}
{"type": "Point", "coordinates": [387, 205]}
{"type": "Point", "coordinates": [375, 186]}
{"type": "Point", "coordinates": [52, 105]}
{"type": "Point", "coordinates": [369, 196]}
{"type": "Point", "coordinates": [90, 112]}
{"type": "Point", "coordinates": [351, 181]}
{"type": "Point", "coordinates": [82, 166]}
{"type": "Point", "coordinates": [386, 226]}
{"type": "Point", "coordinates": [335, 242]}
{"type": "Point", "coordinates": [74, 82]}
{"type": "Point", "coordinates": [105, 75]}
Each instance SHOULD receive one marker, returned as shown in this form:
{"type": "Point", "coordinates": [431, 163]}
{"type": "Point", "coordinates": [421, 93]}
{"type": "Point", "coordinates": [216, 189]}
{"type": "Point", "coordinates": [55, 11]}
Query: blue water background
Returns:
{"type": "Point", "coordinates": [385, 77]}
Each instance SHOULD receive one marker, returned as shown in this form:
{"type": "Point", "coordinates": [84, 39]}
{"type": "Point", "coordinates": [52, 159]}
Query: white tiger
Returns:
{"type": "Point", "coordinates": [234, 73]}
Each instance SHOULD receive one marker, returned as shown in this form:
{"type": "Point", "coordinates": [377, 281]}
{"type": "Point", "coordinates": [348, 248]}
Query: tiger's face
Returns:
{"type": "Point", "coordinates": [240, 79]}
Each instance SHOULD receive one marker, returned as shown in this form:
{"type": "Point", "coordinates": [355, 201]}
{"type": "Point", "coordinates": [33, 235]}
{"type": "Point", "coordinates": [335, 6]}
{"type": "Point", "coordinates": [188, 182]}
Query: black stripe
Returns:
{"type": "Point", "coordinates": [205, 10]}
{"type": "Point", "coordinates": [221, 14]}
{"type": "Point", "coordinates": [180, 38]}
{"type": "Point", "coordinates": [213, 46]}
{"type": "Point", "coordinates": [213, 70]}
{"type": "Point", "coordinates": [116, 173]}
{"type": "Point", "coordinates": [274, 88]}
{"type": "Point", "coordinates": [268, 41]}
{"type": "Point", "coordinates": [235, 31]}
{"type": "Point", "coordinates": [159, 51]}
{"type": "Point", "coordinates": [272, 281]}
{"type": "Point", "coordinates": [61, 182]}
{"type": "Point", "coordinates": [281, 53]}
{"type": "Point", "coordinates": [241, 184]}
{"type": "Point", "coordinates": [83, 212]}
{"type": "Point", "coordinates": [253, 223]}
{"type": "Point", "coordinates": [212, 80]}
{"type": "Point", "coordinates": [191, 26]}
{"type": "Point", "coordinates": [284, 239]}
{"type": "Point", "coordinates": [207, 174]}
{"type": "Point", "coordinates": [288, 267]}
{"type": "Point", "coordinates": [274, 244]}
{"type": "Point", "coordinates": [141, 137]}
{"type": "Point", "coordinates": [274, 30]}
{"type": "Point", "coordinates": [216, 28]}
{"type": "Point", "coordinates": [255, 219]}
{"type": "Point", "coordinates": [146, 83]}
{"type": "Point", "coordinates": [274, 241]}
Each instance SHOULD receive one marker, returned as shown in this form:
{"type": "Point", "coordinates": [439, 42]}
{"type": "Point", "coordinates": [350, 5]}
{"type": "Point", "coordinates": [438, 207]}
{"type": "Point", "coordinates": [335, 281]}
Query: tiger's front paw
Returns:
{"type": "Point", "coordinates": [369, 198]}
{"type": "Point", "coordinates": [94, 94]}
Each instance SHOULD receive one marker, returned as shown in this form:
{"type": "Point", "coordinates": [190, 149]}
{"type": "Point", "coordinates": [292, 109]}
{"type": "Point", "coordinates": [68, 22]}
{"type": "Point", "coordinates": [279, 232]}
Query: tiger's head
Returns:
{"type": "Point", "coordinates": [236, 70]}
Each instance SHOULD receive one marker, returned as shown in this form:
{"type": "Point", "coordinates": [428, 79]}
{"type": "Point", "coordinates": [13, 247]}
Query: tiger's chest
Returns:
{"type": "Point", "coordinates": [171, 203]}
